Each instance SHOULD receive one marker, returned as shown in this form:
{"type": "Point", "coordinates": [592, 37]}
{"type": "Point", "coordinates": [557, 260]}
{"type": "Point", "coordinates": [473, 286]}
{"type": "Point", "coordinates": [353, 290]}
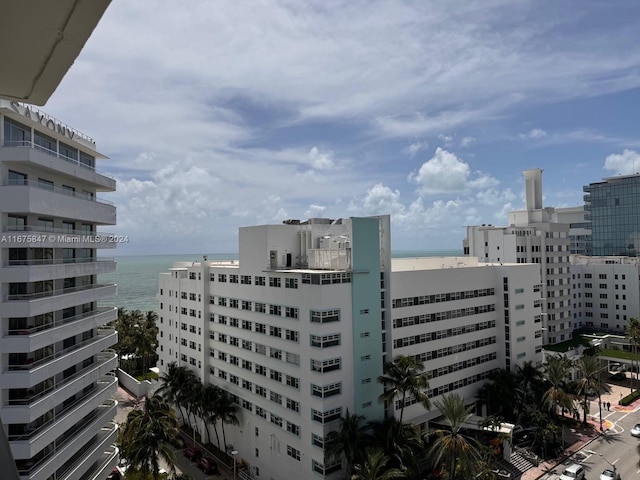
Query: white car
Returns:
{"type": "Point", "coordinates": [609, 474]}
{"type": "Point", "coordinates": [573, 472]}
{"type": "Point", "coordinates": [635, 431]}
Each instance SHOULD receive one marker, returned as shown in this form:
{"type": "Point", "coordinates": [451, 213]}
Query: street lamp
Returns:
{"type": "Point", "coordinates": [234, 453]}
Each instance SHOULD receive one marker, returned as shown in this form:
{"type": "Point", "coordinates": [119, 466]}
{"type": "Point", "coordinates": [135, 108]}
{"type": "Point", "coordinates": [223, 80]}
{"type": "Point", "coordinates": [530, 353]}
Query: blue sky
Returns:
{"type": "Point", "coordinates": [221, 114]}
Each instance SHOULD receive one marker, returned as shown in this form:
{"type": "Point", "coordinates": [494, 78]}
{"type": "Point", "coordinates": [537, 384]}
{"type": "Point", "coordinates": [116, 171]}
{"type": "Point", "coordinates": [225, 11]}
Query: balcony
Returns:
{"type": "Point", "coordinates": [38, 400]}
{"type": "Point", "coordinates": [24, 271]}
{"type": "Point", "coordinates": [68, 444]}
{"type": "Point", "coordinates": [32, 304]}
{"type": "Point", "coordinates": [96, 460]}
{"type": "Point", "coordinates": [33, 371]}
{"type": "Point", "coordinates": [28, 152]}
{"type": "Point", "coordinates": [29, 339]}
{"type": "Point", "coordinates": [37, 199]}
{"type": "Point", "coordinates": [30, 444]}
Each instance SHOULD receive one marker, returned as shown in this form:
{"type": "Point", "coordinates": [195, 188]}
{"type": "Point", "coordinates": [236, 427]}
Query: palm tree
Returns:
{"type": "Point", "coordinates": [210, 395]}
{"type": "Point", "coordinates": [452, 450]}
{"type": "Point", "coordinates": [148, 435]}
{"type": "Point", "coordinates": [374, 467]}
{"type": "Point", "coordinates": [173, 380]}
{"type": "Point", "coordinates": [347, 440]}
{"type": "Point", "coordinates": [402, 442]}
{"type": "Point", "coordinates": [529, 380]}
{"type": "Point", "coordinates": [556, 371]}
{"type": "Point", "coordinates": [589, 368]}
{"type": "Point", "coordinates": [405, 376]}
{"type": "Point", "coordinates": [227, 413]}
{"type": "Point", "coordinates": [500, 393]}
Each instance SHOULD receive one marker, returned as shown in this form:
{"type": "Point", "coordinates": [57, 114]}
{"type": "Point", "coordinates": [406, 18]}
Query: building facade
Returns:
{"type": "Point", "coordinates": [56, 385]}
{"type": "Point", "coordinates": [605, 292]}
{"type": "Point", "coordinates": [612, 207]}
{"type": "Point", "coordinates": [299, 329]}
{"type": "Point", "coordinates": [534, 235]}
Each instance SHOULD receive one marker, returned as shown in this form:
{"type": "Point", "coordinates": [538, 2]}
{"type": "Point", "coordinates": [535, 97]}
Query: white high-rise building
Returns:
{"type": "Point", "coordinates": [606, 292]}
{"type": "Point", "coordinates": [56, 385]}
{"type": "Point", "coordinates": [535, 235]}
{"type": "Point", "coordinates": [298, 331]}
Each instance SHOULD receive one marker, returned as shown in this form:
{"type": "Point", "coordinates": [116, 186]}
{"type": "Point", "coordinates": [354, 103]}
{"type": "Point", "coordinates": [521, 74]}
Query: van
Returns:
{"type": "Point", "coordinates": [573, 472]}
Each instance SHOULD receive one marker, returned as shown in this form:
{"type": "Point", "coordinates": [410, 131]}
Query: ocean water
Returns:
{"type": "Point", "coordinates": [137, 276]}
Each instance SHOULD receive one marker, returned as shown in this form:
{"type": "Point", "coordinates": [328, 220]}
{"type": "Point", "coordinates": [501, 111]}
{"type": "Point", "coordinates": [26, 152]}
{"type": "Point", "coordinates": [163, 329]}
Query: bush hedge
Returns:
{"type": "Point", "coordinates": [629, 398]}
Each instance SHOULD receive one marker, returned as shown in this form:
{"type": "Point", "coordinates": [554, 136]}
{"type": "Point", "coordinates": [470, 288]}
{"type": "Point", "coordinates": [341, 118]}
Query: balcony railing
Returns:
{"type": "Point", "coordinates": [102, 357]}
{"type": "Point", "coordinates": [31, 363]}
{"type": "Point", "coordinates": [26, 467]}
{"type": "Point", "coordinates": [31, 432]}
{"type": "Point", "coordinates": [53, 293]}
{"type": "Point", "coordinates": [51, 188]}
{"type": "Point", "coordinates": [57, 261]}
{"type": "Point", "coordinates": [56, 323]}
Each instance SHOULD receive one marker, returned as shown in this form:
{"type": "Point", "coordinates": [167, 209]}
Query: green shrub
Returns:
{"type": "Point", "coordinates": [629, 398]}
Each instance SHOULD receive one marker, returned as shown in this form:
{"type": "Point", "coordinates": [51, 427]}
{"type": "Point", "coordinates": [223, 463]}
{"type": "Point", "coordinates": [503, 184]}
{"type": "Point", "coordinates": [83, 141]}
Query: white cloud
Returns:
{"type": "Point", "coordinates": [466, 141]}
{"type": "Point", "coordinates": [533, 134]}
{"type": "Point", "coordinates": [236, 113]}
{"type": "Point", "coordinates": [444, 172]}
{"type": "Point", "coordinates": [320, 160]}
{"type": "Point", "coordinates": [447, 140]}
{"type": "Point", "coordinates": [625, 163]}
{"type": "Point", "coordinates": [315, 211]}
{"type": "Point", "coordinates": [414, 148]}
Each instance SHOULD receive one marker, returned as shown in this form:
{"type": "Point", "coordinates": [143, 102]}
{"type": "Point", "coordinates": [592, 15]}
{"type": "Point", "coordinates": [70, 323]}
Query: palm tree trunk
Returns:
{"type": "Point", "coordinates": [404, 394]}
{"type": "Point", "coordinates": [224, 436]}
{"type": "Point", "coordinates": [215, 429]}
{"type": "Point", "coordinates": [586, 406]}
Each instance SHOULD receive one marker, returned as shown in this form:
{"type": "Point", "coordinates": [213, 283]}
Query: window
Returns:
{"type": "Point", "coordinates": [325, 316]}
{"type": "Point", "coordinates": [291, 312]}
{"type": "Point", "coordinates": [245, 279]}
{"type": "Point", "coordinates": [293, 453]}
{"type": "Point", "coordinates": [325, 341]}
{"type": "Point", "coordinates": [323, 366]}
{"type": "Point", "coordinates": [326, 417]}
{"type": "Point", "coordinates": [222, 277]}
{"type": "Point", "coordinates": [233, 278]}
{"type": "Point", "coordinates": [290, 283]}
{"type": "Point", "coordinates": [276, 420]}
{"type": "Point", "coordinates": [275, 310]}
{"type": "Point", "coordinates": [293, 405]}
{"type": "Point", "coordinates": [293, 382]}
{"type": "Point", "coordinates": [291, 335]}
{"type": "Point", "coordinates": [260, 281]}
{"type": "Point", "coordinates": [274, 281]}
{"type": "Point", "coordinates": [293, 428]}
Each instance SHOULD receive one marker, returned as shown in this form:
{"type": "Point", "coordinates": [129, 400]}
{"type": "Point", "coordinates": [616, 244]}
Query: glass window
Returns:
{"type": "Point", "coordinates": [17, 178]}
{"type": "Point", "coordinates": [45, 142]}
{"type": "Point", "coordinates": [16, 134]}
{"type": "Point", "coordinates": [68, 151]}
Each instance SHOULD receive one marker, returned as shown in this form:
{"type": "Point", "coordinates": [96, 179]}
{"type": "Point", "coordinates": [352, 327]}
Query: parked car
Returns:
{"type": "Point", "coordinates": [573, 472]}
{"type": "Point", "coordinates": [609, 474]}
{"type": "Point", "coordinates": [207, 465]}
{"type": "Point", "coordinates": [192, 453]}
{"type": "Point", "coordinates": [618, 376]}
{"type": "Point", "coordinates": [635, 431]}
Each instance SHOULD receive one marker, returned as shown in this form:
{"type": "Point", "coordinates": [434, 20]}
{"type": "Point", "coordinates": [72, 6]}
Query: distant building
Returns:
{"type": "Point", "coordinates": [56, 386]}
{"type": "Point", "coordinates": [298, 331]}
{"type": "Point", "coordinates": [605, 292]}
{"type": "Point", "coordinates": [534, 235]}
{"type": "Point", "coordinates": [613, 208]}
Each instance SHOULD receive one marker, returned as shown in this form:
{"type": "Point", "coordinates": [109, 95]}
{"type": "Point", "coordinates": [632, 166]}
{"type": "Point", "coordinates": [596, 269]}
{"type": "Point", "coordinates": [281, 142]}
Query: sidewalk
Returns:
{"type": "Point", "coordinates": [578, 438]}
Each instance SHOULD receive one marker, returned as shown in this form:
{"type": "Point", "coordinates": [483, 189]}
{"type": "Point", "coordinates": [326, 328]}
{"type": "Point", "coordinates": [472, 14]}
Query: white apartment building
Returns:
{"type": "Point", "coordinates": [605, 292]}
{"type": "Point", "coordinates": [56, 386]}
{"type": "Point", "coordinates": [298, 330]}
{"type": "Point", "coordinates": [534, 235]}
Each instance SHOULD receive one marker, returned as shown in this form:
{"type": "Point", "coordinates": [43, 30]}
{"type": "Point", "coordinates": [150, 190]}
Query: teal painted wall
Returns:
{"type": "Point", "coordinates": [365, 293]}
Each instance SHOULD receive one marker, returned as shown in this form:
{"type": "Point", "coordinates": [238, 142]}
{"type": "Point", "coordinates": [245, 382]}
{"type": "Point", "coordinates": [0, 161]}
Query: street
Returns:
{"type": "Point", "coordinates": [616, 447]}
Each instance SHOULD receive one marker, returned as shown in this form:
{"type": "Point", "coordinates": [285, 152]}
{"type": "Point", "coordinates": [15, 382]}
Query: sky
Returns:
{"type": "Point", "coordinates": [216, 115]}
